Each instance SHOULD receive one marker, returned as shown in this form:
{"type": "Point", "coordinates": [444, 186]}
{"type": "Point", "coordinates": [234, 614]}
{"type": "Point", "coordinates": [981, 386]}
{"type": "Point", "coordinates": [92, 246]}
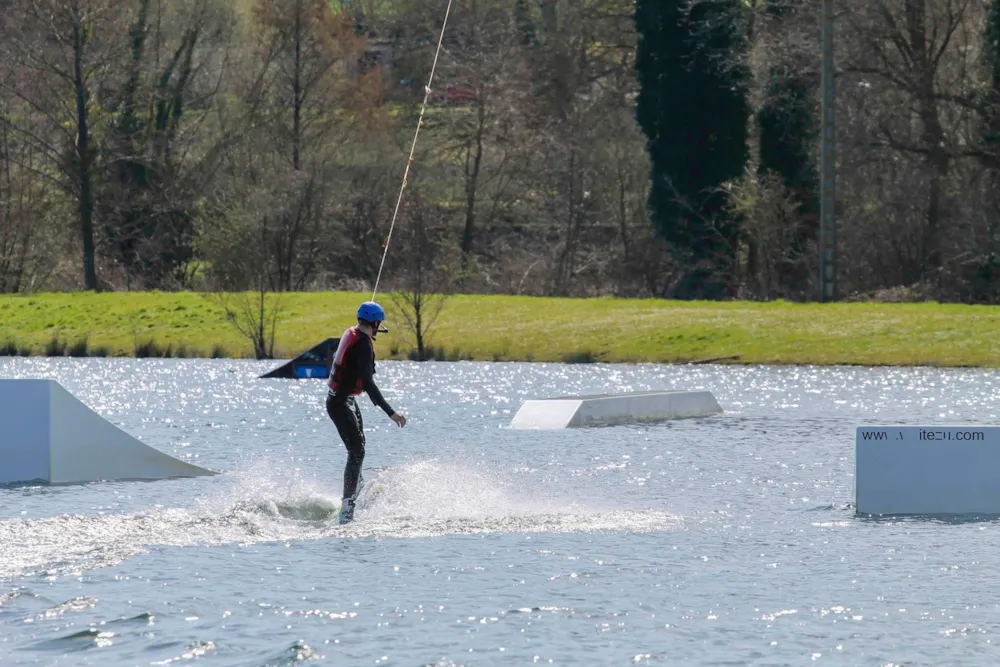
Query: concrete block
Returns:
{"type": "Point", "coordinates": [614, 409]}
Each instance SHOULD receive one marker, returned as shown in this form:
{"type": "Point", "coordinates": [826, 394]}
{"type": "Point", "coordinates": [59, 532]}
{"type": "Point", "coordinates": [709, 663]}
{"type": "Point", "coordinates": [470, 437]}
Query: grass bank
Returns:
{"type": "Point", "coordinates": [508, 328]}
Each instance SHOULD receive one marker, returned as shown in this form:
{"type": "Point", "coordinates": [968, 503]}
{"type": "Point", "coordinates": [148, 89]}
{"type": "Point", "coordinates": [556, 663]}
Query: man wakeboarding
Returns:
{"type": "Point", "coordinates": [352, 373]}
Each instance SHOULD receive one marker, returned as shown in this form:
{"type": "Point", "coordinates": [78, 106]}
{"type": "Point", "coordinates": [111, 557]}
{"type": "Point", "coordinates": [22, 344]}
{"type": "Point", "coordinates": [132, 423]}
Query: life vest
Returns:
{"type": "Point", "coordinates": [347, 341]}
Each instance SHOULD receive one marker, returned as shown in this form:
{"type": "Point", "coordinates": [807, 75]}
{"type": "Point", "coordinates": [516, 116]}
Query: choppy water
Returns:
{"type": "Point", "coordinates": [729, 540]}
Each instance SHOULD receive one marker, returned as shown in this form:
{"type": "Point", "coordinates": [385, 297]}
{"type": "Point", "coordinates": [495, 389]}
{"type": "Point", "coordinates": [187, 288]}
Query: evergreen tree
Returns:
{"type": "Point", "coordinates": [525, 22]}
{"type": "Point", "coordinates": [788, 131]}
{"type": "Point", "coordinates": [693, 109]}
{"type": "Point", "coordinates": [787, 121]}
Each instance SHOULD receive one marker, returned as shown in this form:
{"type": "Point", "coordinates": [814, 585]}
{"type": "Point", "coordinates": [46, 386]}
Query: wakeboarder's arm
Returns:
{"type": "Point", "coordinates": [366, 367]}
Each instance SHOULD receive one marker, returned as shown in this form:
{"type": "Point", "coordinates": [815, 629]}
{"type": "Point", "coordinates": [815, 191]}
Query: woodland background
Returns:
{"type": "Point", "coordinates": [643, 148]}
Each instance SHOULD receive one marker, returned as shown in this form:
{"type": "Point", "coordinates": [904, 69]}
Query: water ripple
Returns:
{"type": "Point", "coordinates": [729, 540]}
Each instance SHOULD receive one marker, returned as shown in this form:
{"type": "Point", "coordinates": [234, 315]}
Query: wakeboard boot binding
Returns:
{"type": "Point", "coordinates": [347, 511]}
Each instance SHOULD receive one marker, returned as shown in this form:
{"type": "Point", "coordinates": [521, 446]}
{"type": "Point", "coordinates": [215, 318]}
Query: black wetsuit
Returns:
{"type": "Point", "coordinates": [359, 362]}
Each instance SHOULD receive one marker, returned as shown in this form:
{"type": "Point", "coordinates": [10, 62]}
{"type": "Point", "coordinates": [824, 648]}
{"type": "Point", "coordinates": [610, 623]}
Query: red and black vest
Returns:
{"type": "Point", "coordinates": [347, 341]}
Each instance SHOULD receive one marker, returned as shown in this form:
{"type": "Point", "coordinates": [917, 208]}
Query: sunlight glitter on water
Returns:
{"type": "Point", "coordinates": [683, 543]}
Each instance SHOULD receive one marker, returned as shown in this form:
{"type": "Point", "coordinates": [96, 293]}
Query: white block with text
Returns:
{"type": "Point", "coordinates": [48, 435]}
{"type": "Point", "coordinates": [929, 470]}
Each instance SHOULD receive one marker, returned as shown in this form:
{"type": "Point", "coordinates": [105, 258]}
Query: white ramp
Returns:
{"type": "Point", "coordinates": [48, 435]}
{"type": "Point", "coordinates": [613, 409]}
{"type": "Point", "coordinates": [928, 470]}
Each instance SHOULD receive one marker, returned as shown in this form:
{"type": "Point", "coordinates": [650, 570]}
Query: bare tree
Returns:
{"type": "Point", "coordinates": [255, 315]}
{"type": "Point", "coordinates": [314, 102]}
{"type": "Point", "coordinates": [475, 82]}
{"type": "Point", "coordinates": [25, 235]}
{"type": "Point", "coordinates": [157, 152]}
{"type": "Point", "coordinates": [240, 275]}
{"type": "Point", "coordinates": [360, 220]}
{"type": "Point", "coordinates": [771, 225]}
{"type": "Point", "coordinates": [912, 58]}
{"type": "Point", "coordinates": [56, 55]}
{"type": "Point", "coordinates": [423, 275]}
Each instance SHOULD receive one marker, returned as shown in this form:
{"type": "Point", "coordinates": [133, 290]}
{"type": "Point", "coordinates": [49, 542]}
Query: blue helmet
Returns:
{"type": "Point", "coordinates": [371, 312]}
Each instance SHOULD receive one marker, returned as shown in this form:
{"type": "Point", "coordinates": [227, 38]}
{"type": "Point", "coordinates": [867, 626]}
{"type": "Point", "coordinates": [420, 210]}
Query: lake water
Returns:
{"type": "Point", "coordinates": [725, 541]}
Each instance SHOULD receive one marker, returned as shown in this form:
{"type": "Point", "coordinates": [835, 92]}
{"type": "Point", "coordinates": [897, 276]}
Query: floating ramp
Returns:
{"type": "Point", "coordinates": [313, 363]}
{"type": "Point", "coordinates": [48, 435]}
{"type": "Point", "coordinates": [614, 409]}
{"type": "Point", "coordinates": [927, 470]}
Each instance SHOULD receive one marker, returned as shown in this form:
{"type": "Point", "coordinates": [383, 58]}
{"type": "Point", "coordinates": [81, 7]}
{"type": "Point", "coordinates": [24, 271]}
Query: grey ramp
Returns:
{"type": "Point", "coordinates": [49, 435]}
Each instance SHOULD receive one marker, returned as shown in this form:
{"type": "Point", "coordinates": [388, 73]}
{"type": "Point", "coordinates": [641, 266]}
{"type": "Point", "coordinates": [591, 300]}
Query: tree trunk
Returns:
{"type": "Point", "coordinates": [473, 165]}
{"type": "Point", "coordinates": [84, 158]}
{"type": "Point", "coordinates": [297, 91]}
{"type": "Point", "coordinates": [933, 133]}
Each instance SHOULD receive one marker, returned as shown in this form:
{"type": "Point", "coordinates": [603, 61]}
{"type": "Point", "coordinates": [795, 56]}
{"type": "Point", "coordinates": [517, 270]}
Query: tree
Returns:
{"type": "Point", "coordinates": [991, 99]}
{"type": "Point", "coordinates": [308, 49]}
{"type": "Point", "coordinates": [910, 50]}
{"type": "Point", "coordinates": [24, 233]}
{"type": "Point", "coordinates": [693, 108]}
{"type": "Point", "coordinates": [313, 99]}
{"type": "Point", "coordinates": [146, 202]}
{"type": "Point", "coordinates": [568, 93]}
{"type": "Point", "coordinates": [111, 99]}
{"type": "Point", "coordinates": [482, 58]}
{"type": "Point", "coordinates": [56, 53]}
{"type": "Point", "coordinates": [425, 276]}
{"type": "Point", "coordinates": [788, 133]}
{"type": "Point", "coordinates": [240, 275]}
{"type": "Point", "coordinates": [255, 315]}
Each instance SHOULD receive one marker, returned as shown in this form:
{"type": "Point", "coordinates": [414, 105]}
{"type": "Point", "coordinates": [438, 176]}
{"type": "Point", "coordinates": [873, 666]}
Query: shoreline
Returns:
{"type": "Point", "coordinates": [277, 361]}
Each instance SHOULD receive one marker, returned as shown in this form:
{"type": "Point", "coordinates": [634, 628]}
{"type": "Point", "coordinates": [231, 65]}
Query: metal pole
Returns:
{"type": "Point", "coordinates": [828, 176]}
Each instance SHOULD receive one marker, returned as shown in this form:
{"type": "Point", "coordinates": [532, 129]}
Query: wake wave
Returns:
{"type": "Point", "coordinates": [418, 500]}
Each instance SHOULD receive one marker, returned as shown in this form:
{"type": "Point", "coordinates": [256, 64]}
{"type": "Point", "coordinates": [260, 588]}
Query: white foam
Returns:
{"type": "Point", "coordinates": [433, 488]}
{"type": "Point", "coordinates": [266, 503]}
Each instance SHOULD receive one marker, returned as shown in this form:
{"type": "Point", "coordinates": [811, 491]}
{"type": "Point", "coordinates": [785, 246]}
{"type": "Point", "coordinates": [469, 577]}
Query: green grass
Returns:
{"type": "Point", "coordinates": [508, 328]}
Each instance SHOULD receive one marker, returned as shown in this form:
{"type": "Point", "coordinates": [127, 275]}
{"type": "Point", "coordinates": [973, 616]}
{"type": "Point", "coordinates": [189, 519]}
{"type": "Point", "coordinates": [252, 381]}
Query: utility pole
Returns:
{"type": "Point", "coordinates": [828, 168]}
